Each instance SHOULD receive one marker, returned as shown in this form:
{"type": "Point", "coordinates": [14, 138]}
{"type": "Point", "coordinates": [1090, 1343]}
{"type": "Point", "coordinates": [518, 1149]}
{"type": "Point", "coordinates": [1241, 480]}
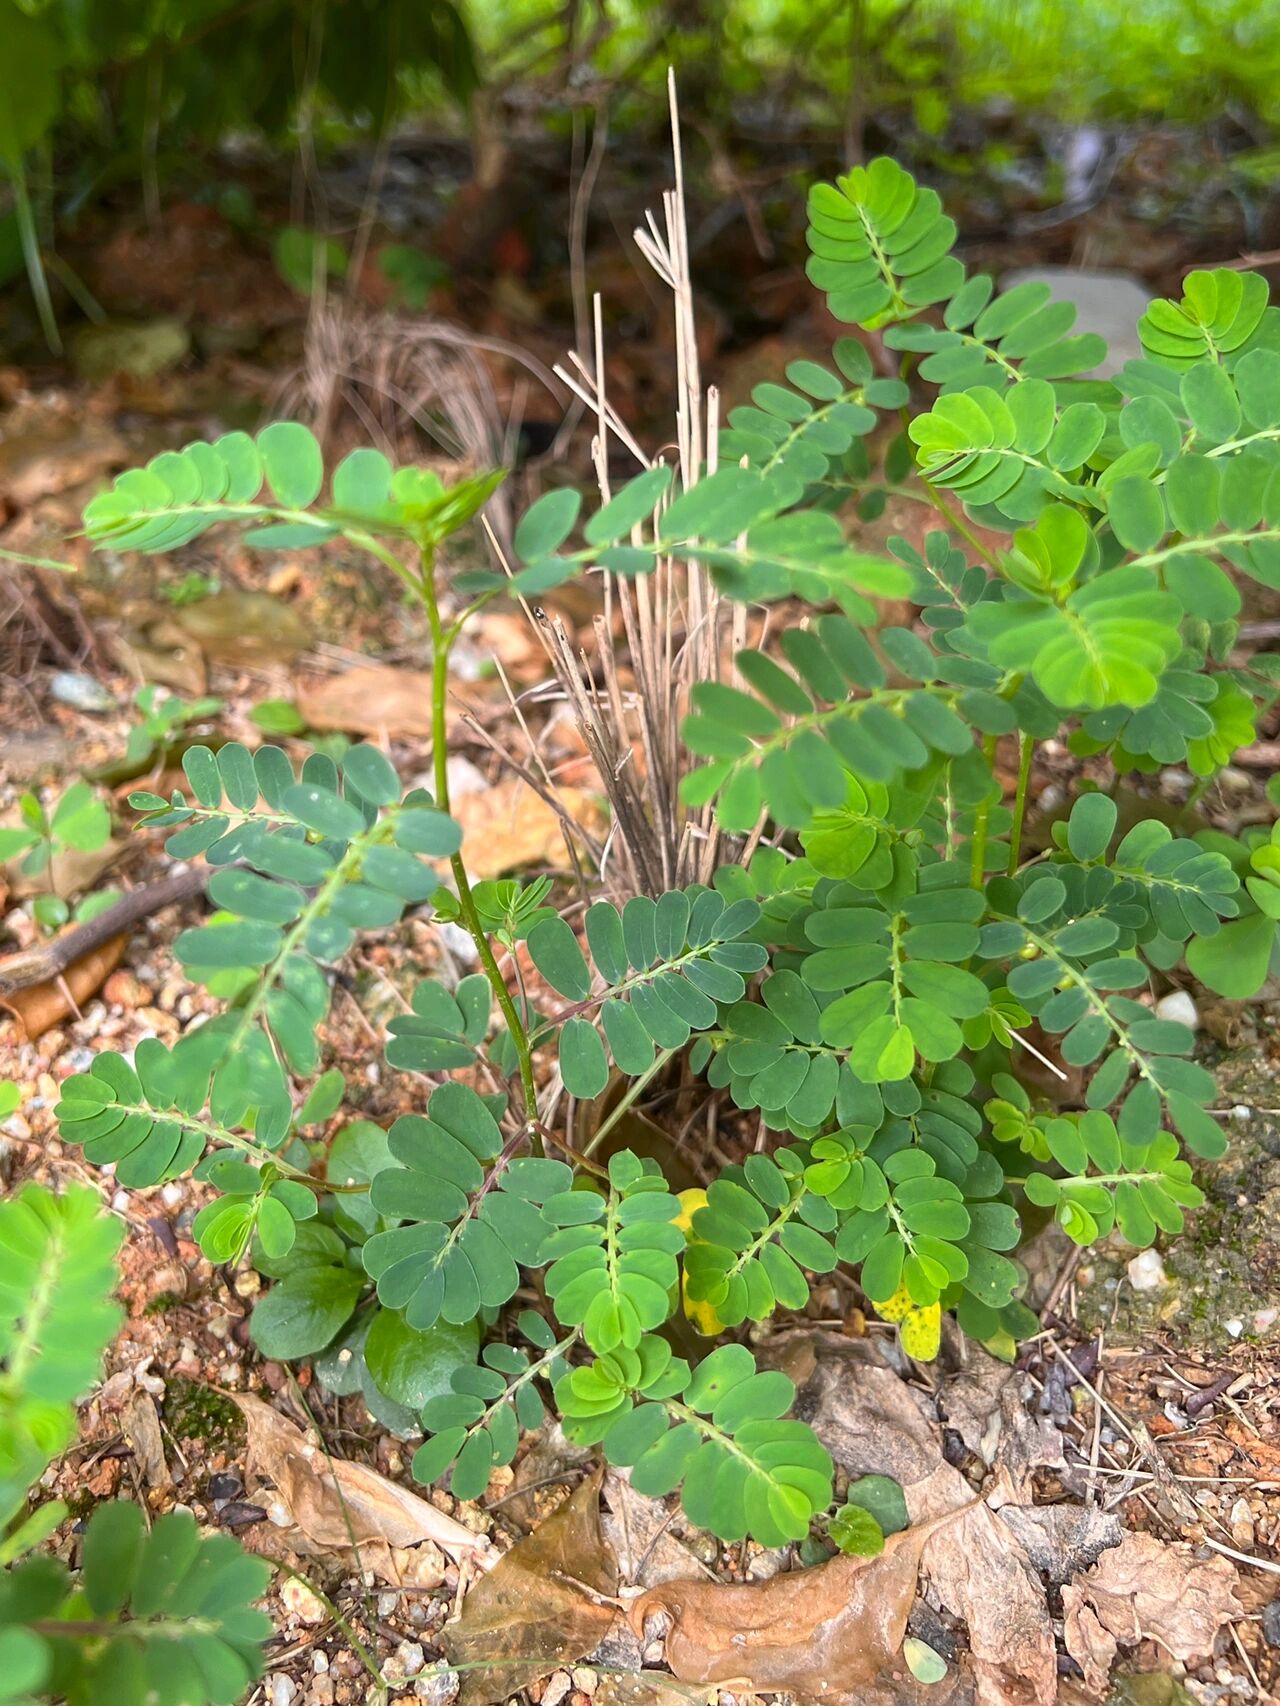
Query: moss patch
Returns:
{"type": "Point", "coordinates": [196, 1412]}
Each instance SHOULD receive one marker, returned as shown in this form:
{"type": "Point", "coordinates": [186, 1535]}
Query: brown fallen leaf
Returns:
{"type": "Point", "coordinates": [639, 1531]}
{"type": "Point", "coordinates": [43, 1005]}
{"type": "Point", "coordinates": [869, 1420]}
{"type": "Point", "coordinates": [509, 827]}
{"type": "Point", "coordinates": [548, 1602]}
{"type": "Point", "coordinates": [55, 456]}
{"type": "Point", "coordinates": [1061, 1540]}
{"type": "Point", "coordinates": [339, 1506]}
{"type": "Point", "coordinates": [141, 1426]}
{"type": "Point", "coordinates": [825, 1633]}
{"type": "Point", "coordinates": [236, 626]}
{"type": "Point", "coordinates": [1147, 1589]}
{"type": "Point", "coordinates": [650, 1688]}
{"type": "Point", "coordinates": [379, 700]}
{"type": "Point", "coordinates": [69, 872]}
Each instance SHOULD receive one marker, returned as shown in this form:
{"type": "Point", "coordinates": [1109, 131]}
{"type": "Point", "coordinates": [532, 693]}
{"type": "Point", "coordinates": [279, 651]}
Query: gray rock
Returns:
{"type": "Point", "coordinates": [1109, 303]}
{"type": "Point", "coordinates": [81, 692]}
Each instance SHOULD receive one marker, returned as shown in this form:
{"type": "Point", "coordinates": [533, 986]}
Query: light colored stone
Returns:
{"type": "Point", "coordinates": [407, 1660]}
{"type": "Point", "coordinates": [284, 1690]}
{"type": "Point", "coordinates": [1179, 1007]}
{"type": "Point", "coordinates": [301, 1602]}
{"type": "Point", "coordinates": [1146, 1271]}
{"type": "Point", "coordinates": [438, 1686]}
{"type": "Point", "coordinates": [1107, 302]}
{"type": "Point", "coordinates": [558, 1685]}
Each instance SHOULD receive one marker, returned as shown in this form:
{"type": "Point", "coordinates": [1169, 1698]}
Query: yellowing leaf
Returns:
{"type": "Point", "coordinates": [690, 1202]}
{"type": "Point", "coordinates": [921, 1324]}
{"type": "Point", "coordinates": [897, 1307]}
{"type": "Point", "coordinates": [921, 1331]}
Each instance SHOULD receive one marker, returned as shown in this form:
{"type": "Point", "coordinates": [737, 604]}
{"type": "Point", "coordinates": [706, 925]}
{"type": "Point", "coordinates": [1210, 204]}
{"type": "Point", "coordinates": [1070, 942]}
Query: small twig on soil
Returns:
{"type": "Point", "coordinates": [1242, 1557]}
{"type": "Point", "coordinates": [52, 959]}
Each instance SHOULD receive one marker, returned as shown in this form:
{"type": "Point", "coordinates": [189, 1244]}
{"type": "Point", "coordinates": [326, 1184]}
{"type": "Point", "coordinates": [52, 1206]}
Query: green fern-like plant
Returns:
{"type": "Point", "coordinates": [862, 988]}
{"type": "Point", "coordinates": [165, 1615]}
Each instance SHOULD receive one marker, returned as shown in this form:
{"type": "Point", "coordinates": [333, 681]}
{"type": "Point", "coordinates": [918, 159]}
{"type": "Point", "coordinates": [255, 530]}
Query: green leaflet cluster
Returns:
{"type": "Point", "coordinates": [880, 245]}
{"type": "Point", "coordinates": [612, 1259]}
{"type": "Point", "coordinates": [304, 862]}
{"type": "Point", "coordinates": [1141, 1187]}
{"type": "Point", "coordinates": [738, 521]}
{"type": "Point", "coordinates": [801, 431]}
{"type": "Point", "coordinates": [165, 1615]}
{"type": "Point", "coordinates": [1073, 928]}
{"type": "Point", "coordinates": [1021, 335]}
{"type": "Point", "coordinates": [761, 1228]}
{"type": "Point", "coordinates": [466, 1210]}
{"type": "Point", "coordinates": [56, 1319]}
{"type": "Point", "coordinates": [717, 1433]}
{"type": "Point", "coordinates": [476, 1426]}
{"type": "Point", "coordinates": [665, 965]}
{"type": "Point", "coordinates": [788, 740]}
{"type": "Point", "coordinates": [275, 481]}
{"type": "Point", "coordinates": [171, 1609]}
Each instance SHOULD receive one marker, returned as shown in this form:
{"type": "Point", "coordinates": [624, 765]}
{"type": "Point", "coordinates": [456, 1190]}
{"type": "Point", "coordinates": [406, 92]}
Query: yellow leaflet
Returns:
{"type": "Point", "coordinates": [701, 1313]}
{"type": "Point", "coordinates": [897, 1307]}
{"type": "Point", "coordinates": [921, 1330]}
{"type": "Point", "coordinates": [690, 1202]}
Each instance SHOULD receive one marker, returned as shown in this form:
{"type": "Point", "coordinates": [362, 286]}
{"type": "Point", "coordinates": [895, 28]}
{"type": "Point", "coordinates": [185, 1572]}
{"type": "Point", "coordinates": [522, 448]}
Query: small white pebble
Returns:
{"type": "Point", "coordinates": [319, 1661]}
{"type": "Point", "coordinates": [1241, 1113]}
{"type": "Point", "coordinates": [1179, 1007]}
{"type": "Point", "coordinates": [1242, 1529]}
{"type": "Point", "coordinates": [408, 1659]}
{"type": "Point", "coordinates": [283, 1689]}
{"type": "Point", "coordinates": [558, 1685]}
{"type": "Point", "coordinates": [1146, 1271]}
{"type": "Point", "coordinates": [387, 1603]}
{"type": "Point", "coordinates": [172, 1194]}
{"type": "Point", "coordinates": [301, 1602]}
{"type": "Point", "coordinates": [1235, 1326]}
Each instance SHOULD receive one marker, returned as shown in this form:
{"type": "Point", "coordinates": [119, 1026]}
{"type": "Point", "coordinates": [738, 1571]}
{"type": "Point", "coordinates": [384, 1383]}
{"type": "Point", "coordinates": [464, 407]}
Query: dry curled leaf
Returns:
{"type": "Point", "coordinates": [378, 700]}
{"type": "Point", "coordinates": [1147, 1589]}
{"type": "Point", "coordinates": [547, 1603]}
{"type": "Point", "coordinates": [639, 1530]}
{"type": "Point", "coordinates": [340, 1506]}
{"type": "Point", "coordinates": [509, 827]}
{"type": "Point", "coordinates": [869, 1420]}
{"type": "Point", "coordinates": [42, 1005]}
{"type": "Point", "coordinates": [824, 1633]}
{"type": "Point", "coordinates": [141, 1426]}
{"type": "Point", "coordinates": [1061, 1540]}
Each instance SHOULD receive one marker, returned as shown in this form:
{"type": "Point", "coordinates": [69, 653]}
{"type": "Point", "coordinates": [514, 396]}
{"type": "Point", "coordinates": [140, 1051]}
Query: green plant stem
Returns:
{"type": "Point", "coordinates": [981, 824]}
{"type": "Point", "coordinates": [442, 644]}
{"type": "Point", "coordinates": [634, 1090]}
{"type": "Point", "coordinates": [956, 520]}
{"type": "Point", "coordinates": [30, 239]}
{"type": "Point", "coordinates": [934, 496]}
{"type": "Point", "coordinates": [1026, 753]}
